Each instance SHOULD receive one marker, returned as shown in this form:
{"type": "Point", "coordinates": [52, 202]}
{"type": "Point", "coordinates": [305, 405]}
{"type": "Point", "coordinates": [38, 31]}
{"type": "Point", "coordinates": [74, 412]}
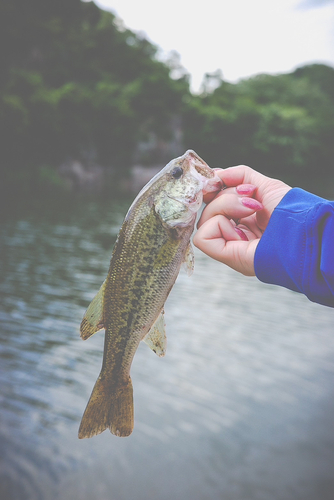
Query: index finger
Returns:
{"type": "Point", "coordinates": [241, 174]}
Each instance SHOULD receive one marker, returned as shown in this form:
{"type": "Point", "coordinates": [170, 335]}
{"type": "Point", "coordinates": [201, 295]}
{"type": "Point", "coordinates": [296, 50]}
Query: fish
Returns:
{"type": "Point", "coordinates": [153, 243]}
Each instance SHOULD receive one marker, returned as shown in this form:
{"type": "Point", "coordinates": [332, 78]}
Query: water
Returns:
{"type": "Point", "coordinates": [241, 407]}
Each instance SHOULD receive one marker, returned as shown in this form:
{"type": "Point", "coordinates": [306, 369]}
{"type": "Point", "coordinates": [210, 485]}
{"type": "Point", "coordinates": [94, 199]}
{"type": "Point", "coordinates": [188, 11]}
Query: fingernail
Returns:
{"type": "Point", "coordinates": [241, 234]}
{"type": "Point", "coordinates": [251, 203]}
{"type": "Point", "coordinates": [245, 188]}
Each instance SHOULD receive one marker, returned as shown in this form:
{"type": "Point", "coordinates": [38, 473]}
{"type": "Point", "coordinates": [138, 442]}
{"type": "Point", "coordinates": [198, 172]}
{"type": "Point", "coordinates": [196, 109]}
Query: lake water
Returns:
{"type": "Point", "coordinates": [241, 407]}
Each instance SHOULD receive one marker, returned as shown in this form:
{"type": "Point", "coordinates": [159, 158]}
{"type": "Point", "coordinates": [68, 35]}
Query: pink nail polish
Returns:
{"type": "Point", "coordinates": [241, 234]}
{"type": "Point", "coordinates": [245, 188]}
{"type": "Point", "coordinates": [251, 203]}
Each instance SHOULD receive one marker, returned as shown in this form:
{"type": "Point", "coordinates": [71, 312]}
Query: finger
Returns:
{"type": "Point", "coordinates": [211, 238]}
{"type": "Point", "coordinates": [241, 174]}
{"type": "Point", "coordinates": [239, 255]}
{"type": "Point", "coordinates": [208, 197]}
{"type": "Point", "coordinates": [250, 227]}
{"type": "Point", "coordinates": [231, 206]}
{"type": "Point", "coordinates": [217, 227]}
{"type": "Point", "coordinates": [246, 233]}
{"type": "Point", "coordinates": [242, 190]}
{"type": "Point", "coordinates": [216, 239]}
{"type": "Point", "coordinates": [245, 189]}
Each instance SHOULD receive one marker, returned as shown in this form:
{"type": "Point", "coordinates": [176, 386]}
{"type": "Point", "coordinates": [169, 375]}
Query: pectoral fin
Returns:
{"type": "Point", "coordinates": [156, 338]}
{"type": "Point", "coordinates": [93, 319]}
{"type": "Point", "coordinates": [189, 260]}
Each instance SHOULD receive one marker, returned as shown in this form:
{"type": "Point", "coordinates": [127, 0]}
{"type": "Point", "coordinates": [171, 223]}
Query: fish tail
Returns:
{"type": "Point", "coordinates": [110, 407]}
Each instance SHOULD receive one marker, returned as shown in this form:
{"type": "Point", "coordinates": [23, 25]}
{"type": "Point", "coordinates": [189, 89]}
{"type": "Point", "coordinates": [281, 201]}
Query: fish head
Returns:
{"type": "Point", "coordinates": [181, 186]}
{"type": "Point", "coordinates": [188, 178]}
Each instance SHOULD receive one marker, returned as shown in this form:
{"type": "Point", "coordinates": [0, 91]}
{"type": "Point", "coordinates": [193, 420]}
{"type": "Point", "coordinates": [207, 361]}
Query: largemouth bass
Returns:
{"type": "Point", "coordinates": [151, 246]}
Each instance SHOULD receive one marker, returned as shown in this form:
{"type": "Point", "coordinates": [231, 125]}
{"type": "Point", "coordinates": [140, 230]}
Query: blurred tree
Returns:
{"type": "Point", "coordinates": [75, 83]}
{"type": "Point", "coordinates": [282, 125]}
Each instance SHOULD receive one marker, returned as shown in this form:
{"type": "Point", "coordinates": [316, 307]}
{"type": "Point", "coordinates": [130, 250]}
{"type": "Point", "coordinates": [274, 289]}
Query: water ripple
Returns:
{"type": "Point", "coordinates": [240, 408]}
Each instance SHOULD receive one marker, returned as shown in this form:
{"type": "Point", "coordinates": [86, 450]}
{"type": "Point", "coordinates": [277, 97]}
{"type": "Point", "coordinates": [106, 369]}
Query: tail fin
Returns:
{"type": "Point", "coordinates": [109, 406]}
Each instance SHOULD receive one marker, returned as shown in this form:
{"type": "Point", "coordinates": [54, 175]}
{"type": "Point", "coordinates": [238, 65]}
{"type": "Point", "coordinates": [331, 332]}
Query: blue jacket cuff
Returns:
{"type": "Point", "coordinates": [297, 248]}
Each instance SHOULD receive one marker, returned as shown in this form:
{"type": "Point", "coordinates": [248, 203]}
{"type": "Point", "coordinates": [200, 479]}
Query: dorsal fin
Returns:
{"type": "Point", "coordinates": [93, 319]}
{"type": "Point", "coordinates": [156, 338]}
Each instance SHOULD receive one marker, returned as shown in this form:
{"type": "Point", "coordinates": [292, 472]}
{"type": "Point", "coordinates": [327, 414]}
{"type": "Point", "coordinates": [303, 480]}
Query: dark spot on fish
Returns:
{"type": "Point", "coordinates": [177, 172]}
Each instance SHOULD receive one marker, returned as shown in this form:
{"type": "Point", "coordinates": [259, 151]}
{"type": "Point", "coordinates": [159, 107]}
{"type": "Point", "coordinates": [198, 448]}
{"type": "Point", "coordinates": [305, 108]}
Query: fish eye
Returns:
{"type": "Point", "coordinates": [177, 172]}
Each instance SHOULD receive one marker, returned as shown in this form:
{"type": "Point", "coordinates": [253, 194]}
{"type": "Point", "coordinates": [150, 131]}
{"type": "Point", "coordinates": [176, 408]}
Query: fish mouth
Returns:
{"type": "Point", "coordinates": [207, 178]}
{"type": "Point", "coordinates": [201, 171]}
{"type": "Point", "coordinates": [213, 184]}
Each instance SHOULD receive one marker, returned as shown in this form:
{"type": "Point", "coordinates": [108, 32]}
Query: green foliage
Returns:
{"type": "Point", "coordinates": [75, 83]}
{"type": "Point", "coordinates": [281, 125]}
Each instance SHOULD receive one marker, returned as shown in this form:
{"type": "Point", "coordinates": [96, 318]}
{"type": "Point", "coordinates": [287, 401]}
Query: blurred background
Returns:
{"type": "Point", "coordinates": [94, 99]}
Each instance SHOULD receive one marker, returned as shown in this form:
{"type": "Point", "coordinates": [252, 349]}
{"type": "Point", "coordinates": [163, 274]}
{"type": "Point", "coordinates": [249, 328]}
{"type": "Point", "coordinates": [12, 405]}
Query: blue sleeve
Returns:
{"type": "Point", "coordinates": [297, 248]}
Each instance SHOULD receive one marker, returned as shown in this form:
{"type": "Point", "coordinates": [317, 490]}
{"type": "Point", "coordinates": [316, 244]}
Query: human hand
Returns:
{"type": "Point", "coordinates": [234, 220]}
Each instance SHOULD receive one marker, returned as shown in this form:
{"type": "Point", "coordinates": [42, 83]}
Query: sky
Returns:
{"type": "Point", "coordinates": [240, 37]}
